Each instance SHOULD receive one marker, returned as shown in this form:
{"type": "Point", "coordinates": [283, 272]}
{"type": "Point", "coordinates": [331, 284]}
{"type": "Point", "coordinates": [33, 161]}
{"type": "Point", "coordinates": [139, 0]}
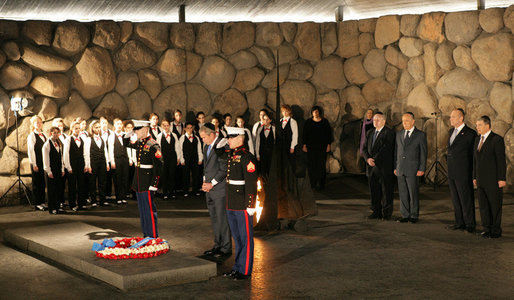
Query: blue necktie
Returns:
{"type": "Point", "coordinates": [209, 150]}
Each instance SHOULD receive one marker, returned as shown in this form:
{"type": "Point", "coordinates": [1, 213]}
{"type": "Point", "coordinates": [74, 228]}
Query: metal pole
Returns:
{"type": "Point", "coordinates": [480, 4]}
{"type": "Point", "coordinates": [340, 13]}
{"type": "Point", "coordinates": [182, 13]}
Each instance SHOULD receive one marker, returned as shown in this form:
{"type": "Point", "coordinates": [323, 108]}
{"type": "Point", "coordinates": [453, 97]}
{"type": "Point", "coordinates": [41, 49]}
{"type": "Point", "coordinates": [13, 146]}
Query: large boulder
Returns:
{"type": "Point", "coordinates": [44, 61]}
{"type": "Point", "coordinates": [126, 29]}
{"type": "Point", "coordinates": [216, 74]}
{"type": "Point", "coordinates": [501, 101]}
{"type": "Point", "coordinates": [3, 58]}
{"type": "Point", "coordinates": [508, 18]}
{"type": "Point", "coordinates": [112, 106]}
{"type": "Point", "coordinates": [378, 90]}
{"type": "Point", "coordinates": [193, 62]}
{"type": "Point", "coordinates": [208, 39]}
{"type": "Point", "coordinates": [494, 56]}
{"type": "Point", "coordinates": [353, 101]}
{"type": "Point", "coordinates": [409, 24]}
{"type": "Point", "coordinates": [416, 67]}
{"type": "Point", "coordinates": [329, 73]}
{"type": "Point", "coordinates": [366, 43]}
{"type": "Point", "coordinates": [182, 35]}
{"type": "Point", "coordinates": [405, 85]}
{"type": "Point", "coordinates": [231, 101]}
{"type": "Point", "coordinates": [355, 72]}
{"type": "Point", "coordinates": [53, 85]}
{"type": "Point", "coordinates": [491, 19]}
{"type": "Point", "coordinates": [328, 38]}
{"type": "Point", "coordinates": [171, 98]}
{"type": "Point", "coordinates": [127, 83]}
{"type": "Point", "coordinates": [500, 127]}
{"type": "Point", "coordinates": [172, 67]}
{"type": "Point", "coordinates": [460, 82]}
{"type": "Point", "coordinates": [8, 30]}
{"type": "Point", "coordinates": [94, 74]}
{"type": "Point", "coordinates": [241, 35]}
{"type": "Point", "coordinates": [107, 34]}
{"type": "Point", "coordinates": [23, 131]}
{"type": "Point", "coordinates": [462, 58]}
{"type": "Point", "coordinates": [39, 32]}
{"type": "Point", "coordinates": [411, 46]}
{"type": "Point", "coordinates": [330, 104]}
{"type": "Point", "coordinates": [5, 105]}
{"type": "Point", "coordinates": [387, 31]}
{"type": "Point", "coordinates": [264, 56]}
{"type": "Point", "coordinates": [348, 39]}
{"type": "Point", "coordinates": [367, 25]}
{"type": "Point", "coordinates": [11, 50]}
{"type": "Point", "coordinates": [256, 100]}
{"type": "Point", "coordinates": [395, 57]}
{"type": "Point", "coordinates": [134, 56]}
{"type": "Point", "coordinates": [76, 107]}
{"type": "Point", "coordinates": [392, 74]}
{"type": "Point", "coordinates": [243, 60]}
{"type": "Point", "coordinates": [477, 108]}
{"type": "Point", "coordinates": [288, 31]}
{"type": "Point", "coordinates": [198, 98]}
{"type": "Point", "coordinates": [70, 38]}
{"type": "Point", "coordinates": [14, 75]}
{"type": "Point", "coordinates": [375, 63]}
{"type": "Point", "coordinates": [462, 27]}
{"type": "Point", "coordinates": [432, 70]}
{"type": "Point", "coordinates": [444, 56]}
{"type": "Point", "coordinates": [509, 147]}
{"type": "Point", "coordinates": [448, 103]}
{"type": "Point", "coordinates": [153, 34]}
{"type": "Point", "coordinates": [308, 41]}
{"type": "Point", "coordinates": [150, 82]}
{"type": "Point", "coordinates": [248, 79]}
{"type": "Point", "coordinates": [421, 101]}
{"type": "Point", "coordinates": [9, 161]}
{"type": "Point", "coordinates": [139, 104]}
{"type": "Point", "coordinates": [45, 108]}
{"type": "Point", "coordinates": [299, 93]}
{"type": "Point", "coordinates": [430, 27]}
{"type": "Point", "coordinates": [270, 80]}
{"type": "Point", "coordinates": [287, 53]}
{"type": "Point", "coordinates": [267, 35]}
{"type": "Point", "coordinates": [301, 70]}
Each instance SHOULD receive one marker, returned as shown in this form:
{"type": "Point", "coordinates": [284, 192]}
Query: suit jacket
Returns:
{"type": "Point", "coordinates": [489, 165]}
{"type": "Point", "coordinates": [215, 167]}
{"type": "Point", "coordinates": [460, 154]}
{"type": "Point", "coordinates": [411, 153]}
{"type": "Point", "coordinates": [382, 151]}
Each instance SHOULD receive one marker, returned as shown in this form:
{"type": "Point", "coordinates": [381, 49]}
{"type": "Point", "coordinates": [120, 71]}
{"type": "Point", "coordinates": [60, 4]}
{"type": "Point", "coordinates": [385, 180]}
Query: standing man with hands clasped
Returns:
{"type": "Point", "coordinates": [410, 163]}
{"type": "Point", "coordinates": [214, 174]}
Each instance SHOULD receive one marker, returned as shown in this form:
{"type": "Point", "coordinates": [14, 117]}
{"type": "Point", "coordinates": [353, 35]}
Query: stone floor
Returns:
{"type": "Point", "coordinates": [342, 255]}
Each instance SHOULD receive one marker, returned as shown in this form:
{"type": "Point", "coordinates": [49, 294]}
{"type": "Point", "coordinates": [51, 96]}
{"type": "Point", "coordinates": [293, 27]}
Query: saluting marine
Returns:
{"type": "Point", "coordinates": [148, 166]}
{"type": "Point", "coordinates": [241, 193]}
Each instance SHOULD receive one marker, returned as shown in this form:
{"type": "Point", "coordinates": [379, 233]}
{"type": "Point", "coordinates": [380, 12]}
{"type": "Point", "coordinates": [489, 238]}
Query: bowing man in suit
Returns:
{"type": "Point", "coordinates": [489, 173]}
{"type": "Point", "coordinates": [378, 151]}
{"type": "Point", "coordinates": [214, 174]}
{"type": "Point", "coordinates": [460, 169]}
{"type": "Point", "coordinates": [410, 163]}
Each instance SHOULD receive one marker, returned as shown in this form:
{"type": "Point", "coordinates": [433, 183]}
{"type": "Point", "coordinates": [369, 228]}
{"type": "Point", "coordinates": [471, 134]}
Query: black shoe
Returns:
{"type": "Point", "coordinates": [457, 227]}
{"type": "Point", "coordinates": [470, 229]}
{"type": "Point", "coordinates": [211, 252]}
{"type": "Point", "coordinates": [485, 234]}
{"type": "Point", "coordinates": [221, 254]}
{"type": "Point", "coordinates": [402, 220]}
{"type": "Point", "coordinates": [495, 235]}
{"type": "Point", "coordinates": [414, 220]}
{"type": "Point", "coordinates": [375, 216]}
{"type": "Point", "coordinates": [230, 274]}
{"type": "Point", "coordinates": [239, 276]}
{"type": "Point", "coordinates": [386, 218]}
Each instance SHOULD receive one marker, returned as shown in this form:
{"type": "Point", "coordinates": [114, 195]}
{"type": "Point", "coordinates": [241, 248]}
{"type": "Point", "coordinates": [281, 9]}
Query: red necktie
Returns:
{"type": "Point", "coordinates": [266, 129]}
{"type": "Point", "coordinates": [191, 138]}
{"type": "Point", "coordinates": [77, 140]}
{"type": "Point", "coordinates": [167, 135]}
{"type": "Point", "coordinates": [56, 145]}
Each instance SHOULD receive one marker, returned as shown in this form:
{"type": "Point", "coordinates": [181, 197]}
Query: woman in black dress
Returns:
{"type": "Point", "coordinates": [317, 137]}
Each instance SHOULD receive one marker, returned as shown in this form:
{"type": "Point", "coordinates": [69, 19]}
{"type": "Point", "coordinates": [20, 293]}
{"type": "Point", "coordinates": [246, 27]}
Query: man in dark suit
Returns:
{"type": "Point", "coordinates": [410, 163]}
{"type": "Point", "coordinates": [378, 152]}
{"type": "Point", "coordinates": [214, 174]}
{"type": "Point", "coordinates": [460, 170]}
{"type": "Point", "coordinates": [489, 173]}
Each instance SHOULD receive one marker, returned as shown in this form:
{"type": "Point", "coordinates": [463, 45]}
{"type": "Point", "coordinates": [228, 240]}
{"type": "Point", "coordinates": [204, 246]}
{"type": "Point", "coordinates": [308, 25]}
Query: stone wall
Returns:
{"type": "Point", "coordinates": [422, 63]}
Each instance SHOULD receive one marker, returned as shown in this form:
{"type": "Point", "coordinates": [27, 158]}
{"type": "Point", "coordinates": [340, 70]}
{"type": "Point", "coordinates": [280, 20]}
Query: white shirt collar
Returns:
{"type": "Point", "coordinates": [379, 129]}
{"type": "Point", "coordinates": [486, 135]}
{"type": "Point", "coordinates": [460, 127]}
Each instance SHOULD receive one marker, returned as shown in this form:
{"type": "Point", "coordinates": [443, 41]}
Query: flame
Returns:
{"type": "Point", "coordinates": [258, 204]}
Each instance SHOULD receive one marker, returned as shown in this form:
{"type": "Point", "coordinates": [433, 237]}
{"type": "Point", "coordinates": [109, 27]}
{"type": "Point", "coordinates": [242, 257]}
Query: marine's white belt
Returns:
{"type": "Point", "coordinates": [146, 166]}
{"type": "Point", "coordinates": [236, 182]}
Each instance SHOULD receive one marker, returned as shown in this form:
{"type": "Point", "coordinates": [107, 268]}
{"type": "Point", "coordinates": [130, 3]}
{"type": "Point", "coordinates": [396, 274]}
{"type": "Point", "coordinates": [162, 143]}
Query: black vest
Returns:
{"type": "Point", "coordinates": [151, 133]}
{"type": "Point", "coordinates": [38, 146]}
{"type": "Point", "coordinates": [287, 136]}
{"type": "Point", "coordinates": [168, 149]}
{"type": "Point", "coordinates": [175, 130]}
{"type": "Point", "coordinates": [76, 154]}
{"type": "Point", "coordinates": [97, 154]}
{"type": "Point", "coordinates": [55, 160]}
{"type": "Point", "coordinates": [190, 149]}
{"type": "Point", "coordinates": [266, 143]}
{"type": "Point", "coordinates": [120, 152]}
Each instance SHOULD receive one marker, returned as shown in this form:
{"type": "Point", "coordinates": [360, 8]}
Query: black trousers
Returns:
{"type": "Point", "coordinates": [97, 177]}
{"type": "Point", "coordinates": [317, 159]}
{"type": "Point", "coordinates": [55, 191]}
{"type": "Point", "coordinates": [265, 162]}
{"type": "Point", "coordinates": [109, 177]}
{"type": "Point", "coordinates": [77, 187]}
{"type": "Point", "coordinates": [168, 176]}
{"type": "Point", "coordinates": [381, 188]}
{"type": "Point", "coordinates": [190, 174]}
{"type": "Point", "coordinates": [463, 200]}
{"type": "Point", "coordinates": [121, 178]}
{"type": "Point", "coordinates": [38, 186]}
{"type": "Point", "coordinates": [490, 201]}
{"type": "Point", "coordinates": [132, 171]}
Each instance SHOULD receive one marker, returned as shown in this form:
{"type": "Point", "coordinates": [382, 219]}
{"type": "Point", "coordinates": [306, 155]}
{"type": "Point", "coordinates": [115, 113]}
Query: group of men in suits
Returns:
{"type": "Point", "coordinates": [473, 160]}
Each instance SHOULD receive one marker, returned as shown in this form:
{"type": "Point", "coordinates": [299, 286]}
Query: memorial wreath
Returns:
{"type": "Point", "coordinates": [133, 247]}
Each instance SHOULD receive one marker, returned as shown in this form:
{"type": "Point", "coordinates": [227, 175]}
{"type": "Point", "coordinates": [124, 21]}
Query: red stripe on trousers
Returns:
{"type": "Point", "coordinates": [247, 244]}
{"type": "Point", "coordinates": [151, 213]}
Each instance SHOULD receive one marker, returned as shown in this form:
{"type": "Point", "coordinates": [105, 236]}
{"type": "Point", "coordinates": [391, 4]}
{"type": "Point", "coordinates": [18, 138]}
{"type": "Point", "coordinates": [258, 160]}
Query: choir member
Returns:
{"type": "Point", "coordinates": [178, 125]}
{"type": "Point", "coordinates": [168, 141]}
{"type": "Point", "coordinates": [289, 135]}
{"type": "Point", "coordinates": [240, 122]}
{"type": "Point", "coordinates": [96, 158]}
{"type": "Point", "coordinates": [119, 159]}
{"type": "Point", "coordinates": [190, 158]}
{"type": "Point", "coordinates": [54, 169]}
{"type": "Point", "coordinates": [35, 141]}
{"type": "Point", "coordinates": [154, 125]}
{"type": "Point", "coordinates": [264, 145]}
{"type": "Point", "coordinates": [219, 132]}
{"type": "Point", "coordinates": [76, 167]}
{"type": "Point", "coordinates": [263, 112]}
{"type": "Point", "coordinates": [106, 133]}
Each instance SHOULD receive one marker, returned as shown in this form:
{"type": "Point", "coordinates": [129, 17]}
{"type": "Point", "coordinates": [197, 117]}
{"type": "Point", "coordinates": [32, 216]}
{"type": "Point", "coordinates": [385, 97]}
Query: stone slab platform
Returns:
{"type": "Point", "coordinates": [70, 244]}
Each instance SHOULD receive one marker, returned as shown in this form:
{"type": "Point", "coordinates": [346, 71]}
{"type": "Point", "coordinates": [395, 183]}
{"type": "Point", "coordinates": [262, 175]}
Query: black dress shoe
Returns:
{"type": "Point", "coordinates": [414, 220]}
{"type": "Point", "coordinates": [230, 274]}
{"type": "Point", "coordinates": [221, 254]}
{"type": "Point", "coordinates": [375, 216]}
{"type": "Point", "coordinates": [402, 220]}
{"type": "Point", "coordinates": [211, 252]}
{"type": "Point", "coordinates": [470, 229]}
{"type": "Point", "coordinates": [485, 234]}
{"type": "Point", "coordinates": [457, 227]}
{"type": "Point", "coordinates": [386, 218]}
{"type": "Point", "coordinates": [239, 276]}
{"type": "Point", "coordinates": [494, 235]}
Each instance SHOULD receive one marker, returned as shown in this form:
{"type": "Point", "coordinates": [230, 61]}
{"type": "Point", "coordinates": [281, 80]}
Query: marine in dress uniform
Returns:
{"type": "Point", "coordinates": [241, 192]}
{"type": "Point", "coordinates": [147, 174]}
{"type": "Point", "coordinates": [54, 168]}
{"type": "Point", "coordinates": [35, 141]}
